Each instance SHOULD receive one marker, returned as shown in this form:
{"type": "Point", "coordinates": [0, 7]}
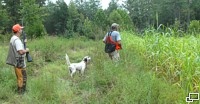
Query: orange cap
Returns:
{"type": "Point", "coordinates": [16, 28]}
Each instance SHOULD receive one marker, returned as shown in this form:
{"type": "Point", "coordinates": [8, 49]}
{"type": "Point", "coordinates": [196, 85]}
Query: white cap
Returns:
{"type": "Point", "coordinates": [114, 25]}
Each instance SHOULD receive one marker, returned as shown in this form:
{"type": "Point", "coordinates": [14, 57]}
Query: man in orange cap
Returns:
{"type": "Point", "coordinates": [16, 56]}
{"type": "Point", "coordinates": [116, 39]}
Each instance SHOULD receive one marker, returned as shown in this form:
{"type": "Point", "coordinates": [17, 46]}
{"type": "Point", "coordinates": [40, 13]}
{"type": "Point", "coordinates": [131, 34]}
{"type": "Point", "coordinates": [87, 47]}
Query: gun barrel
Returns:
{"type": "Point", "coordinates": [28, 57]}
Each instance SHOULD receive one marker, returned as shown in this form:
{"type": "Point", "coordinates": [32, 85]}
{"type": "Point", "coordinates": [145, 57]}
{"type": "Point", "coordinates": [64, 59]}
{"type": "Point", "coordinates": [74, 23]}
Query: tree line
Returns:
{"type": "Point", "coordinates": [87, 18]}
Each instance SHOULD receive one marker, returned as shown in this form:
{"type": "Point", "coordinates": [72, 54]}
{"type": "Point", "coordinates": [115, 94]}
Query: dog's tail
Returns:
{"type": "Point", "coordinates": [67, 59]}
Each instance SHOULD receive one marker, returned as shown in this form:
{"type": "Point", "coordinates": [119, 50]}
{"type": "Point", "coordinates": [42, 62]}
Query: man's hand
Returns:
{"type": "Point", "coordinates": [21, 52]}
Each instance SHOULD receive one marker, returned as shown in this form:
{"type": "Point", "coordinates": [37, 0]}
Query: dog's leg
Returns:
{"type": "Point", "coordinates": [82, 71]}
{"type": "Point", "coordinates": [70, 70]}
{"type": "Point", "coordinates": [73, 70]}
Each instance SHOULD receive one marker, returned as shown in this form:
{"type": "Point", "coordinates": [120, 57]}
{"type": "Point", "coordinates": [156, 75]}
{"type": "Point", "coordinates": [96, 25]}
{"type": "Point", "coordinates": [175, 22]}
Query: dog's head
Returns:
{"type": "Point", "coordinates": [87, 59]}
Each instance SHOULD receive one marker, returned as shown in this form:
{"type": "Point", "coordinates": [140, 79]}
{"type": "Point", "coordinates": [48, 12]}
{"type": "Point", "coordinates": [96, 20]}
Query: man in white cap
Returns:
{"type": "Point", "coordinates": [117, 40]}
{"type": "Point", "coordinates": [16, 56]}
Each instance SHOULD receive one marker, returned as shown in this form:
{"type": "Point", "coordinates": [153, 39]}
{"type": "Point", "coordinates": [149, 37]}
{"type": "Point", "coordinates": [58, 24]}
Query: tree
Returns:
{"type": "Point", "coordinates": [12, 9]}
{"type": "Point", "coordinates": [176, 11]}
{"type": "Point", "coordinates": [145, 13]}
{"type": "Point", "coordinates": [4, 19]}
{"type": "Point", "coordinates": [75, 20]}
{"type": "Point", "coordinates": [49, 19]}
{"type": "Point", "coordinates": [88, 8]}
{"type": "Point", "coordinates": [61, 14]}
{"type": "Point", "coordinates": [194, 4]}
{"type": "Point", "coordinates": [88, 29]}
{"type": "Point", "coordinates": [56, 21]}
{"type": "Point", "coordinates": [126, 23]}
{"type": "Point", "coordinates": [32, 18]}
{"type": "Point", "coordinates": [115, 17]}
{"type": "Point", "coordinates": [140, 12]}
{"type": "Point", "coordinates": [100, 19]}
{"type": "Point", "coordinates": [112, 6]}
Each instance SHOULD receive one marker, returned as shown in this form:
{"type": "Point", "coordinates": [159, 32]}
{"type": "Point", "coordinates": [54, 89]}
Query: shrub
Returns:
{"type": "Point", "coordinates": [194, 27]}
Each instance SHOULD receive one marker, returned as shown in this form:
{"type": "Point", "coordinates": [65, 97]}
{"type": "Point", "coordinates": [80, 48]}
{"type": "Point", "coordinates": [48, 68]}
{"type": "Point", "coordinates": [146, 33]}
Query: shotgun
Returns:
{"type": "Point", "coordinates": [28, 57]}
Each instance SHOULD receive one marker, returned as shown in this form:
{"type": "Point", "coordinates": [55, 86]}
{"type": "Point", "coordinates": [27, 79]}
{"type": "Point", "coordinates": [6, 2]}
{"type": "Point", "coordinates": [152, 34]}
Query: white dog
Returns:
{"type": "Point", "coordinates": [81, 66]}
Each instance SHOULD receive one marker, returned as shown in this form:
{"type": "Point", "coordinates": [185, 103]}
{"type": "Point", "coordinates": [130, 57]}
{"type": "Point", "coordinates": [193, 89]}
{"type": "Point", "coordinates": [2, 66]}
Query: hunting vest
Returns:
{"type": "Point", "coordinates": [12, 55]}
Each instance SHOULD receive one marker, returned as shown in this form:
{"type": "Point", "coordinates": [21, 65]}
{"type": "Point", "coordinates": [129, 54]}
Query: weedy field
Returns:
{"type": "Point", "coordinates": [154, 69]}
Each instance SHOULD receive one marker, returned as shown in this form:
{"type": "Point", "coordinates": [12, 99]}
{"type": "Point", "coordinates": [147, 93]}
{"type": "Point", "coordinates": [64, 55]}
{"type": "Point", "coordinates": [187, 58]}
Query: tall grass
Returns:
{"type": "Point", "coordinates": [175, 59]}
{"type": "Point", "coordinates": [104, 82]}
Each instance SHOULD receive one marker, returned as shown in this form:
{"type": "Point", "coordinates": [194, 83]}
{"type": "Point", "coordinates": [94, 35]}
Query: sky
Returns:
{"type": "Point", "coordinates": [104, 3]}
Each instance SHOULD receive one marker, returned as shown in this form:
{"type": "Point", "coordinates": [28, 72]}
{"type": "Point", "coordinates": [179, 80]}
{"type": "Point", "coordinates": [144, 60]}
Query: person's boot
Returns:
{"type": "Point", "coordinates": [19, 90]}
{"type": "Point", "coordinates": [24, 81]}
{"type": "Point", "coordinates": [24, 88]}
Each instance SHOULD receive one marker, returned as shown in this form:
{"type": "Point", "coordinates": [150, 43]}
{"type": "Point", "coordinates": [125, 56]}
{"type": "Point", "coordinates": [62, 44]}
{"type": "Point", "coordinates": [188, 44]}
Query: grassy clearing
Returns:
{"type": "Point", "coordinates": [128, 82]}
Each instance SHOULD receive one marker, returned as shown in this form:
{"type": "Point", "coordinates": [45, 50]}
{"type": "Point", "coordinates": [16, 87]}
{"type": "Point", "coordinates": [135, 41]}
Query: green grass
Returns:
{"type": "Point", "coordinates": [133, 80]}
{"type": "Point", "coordinates": [177, 59]}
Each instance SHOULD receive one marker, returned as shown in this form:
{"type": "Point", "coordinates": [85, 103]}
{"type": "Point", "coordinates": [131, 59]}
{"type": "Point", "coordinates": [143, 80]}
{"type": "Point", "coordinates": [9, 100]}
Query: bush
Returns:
{"type": "Point", "coordinates": [47, 48]}
{"type": "Point", "coordinates": [5, 38]}
{"type": "Point", "coordinates": [194, 27]}
{"type": "Point", "coordinates": [36, 30]}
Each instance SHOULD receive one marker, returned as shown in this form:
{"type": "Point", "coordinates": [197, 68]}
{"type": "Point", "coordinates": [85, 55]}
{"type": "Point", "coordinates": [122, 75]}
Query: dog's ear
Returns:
{"type": "Point", "coordinates": [85, 60]}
